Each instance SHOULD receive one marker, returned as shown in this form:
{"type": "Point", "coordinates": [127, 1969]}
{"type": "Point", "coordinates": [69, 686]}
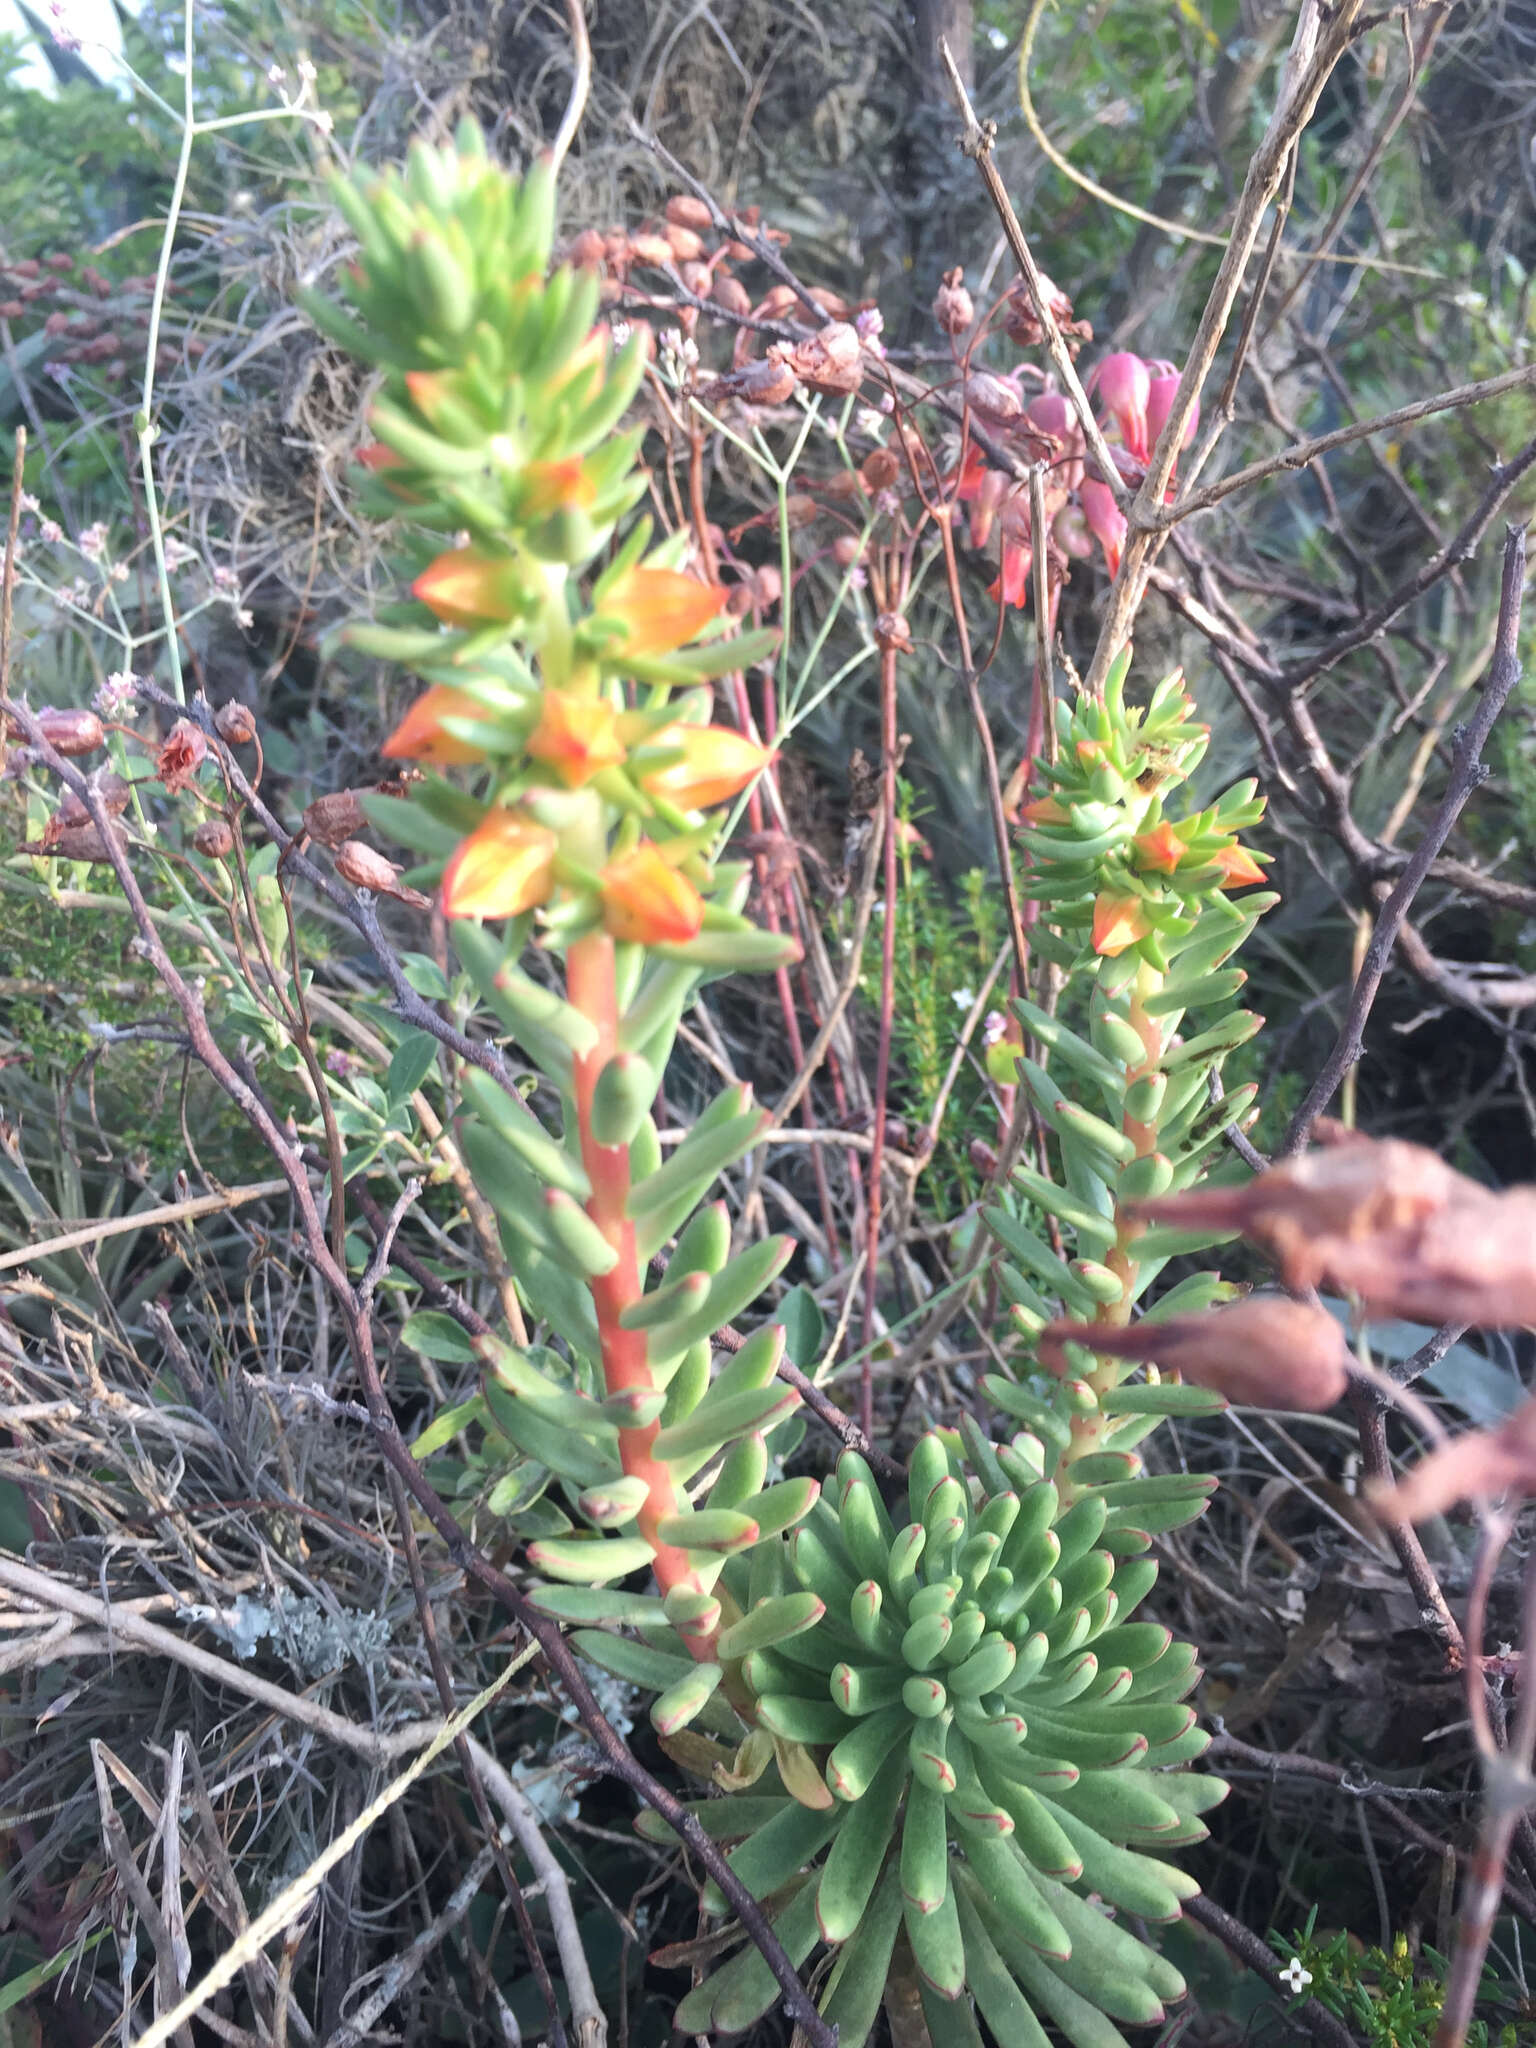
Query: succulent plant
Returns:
{"type": "Point", "coordinates": [937, 1723]}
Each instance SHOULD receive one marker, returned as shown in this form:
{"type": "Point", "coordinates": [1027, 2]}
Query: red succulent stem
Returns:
{"type": "Point", "coordinates": [591, 989]}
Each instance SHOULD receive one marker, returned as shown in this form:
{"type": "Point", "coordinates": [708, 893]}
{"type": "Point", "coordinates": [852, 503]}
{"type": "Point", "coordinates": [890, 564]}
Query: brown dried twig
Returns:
{"type": "Point", "coordinates": [1467, 774]}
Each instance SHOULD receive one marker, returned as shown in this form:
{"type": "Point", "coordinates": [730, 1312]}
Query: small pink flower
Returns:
{"type": "Point", "coordinates": [1124, 383]}
{"type": "Point", "coordinates": [1160, 394]}
{"type": "Point", "coordinates": [1105, 519]}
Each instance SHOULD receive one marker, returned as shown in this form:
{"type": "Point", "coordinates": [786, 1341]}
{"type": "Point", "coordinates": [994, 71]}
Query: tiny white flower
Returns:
{"type": "Point", "coordinates": [243, 619]}
{"type": "Point", "coordinates": [29, 503]}
{"type": "Point", "coordinates": [93, 541]}
{"type": "Point", "coordinates": [963, 998]}
{"type": "Point", "coordinates": [870, 422]}
{"type": "Point", "coordinates": [276, 74]}
{"type": "Point", "coordinates": [1295, 1976]}
{"type": "Point", "coordinates": [324, 121]}
{"type": "Point", "coordinates": [119, 572]}
{"type": "Point", "coordinates": [50, 530]}
{"type": "Point", "coordinates": [177, 553]}
{"type": "Point", "coordinates": [306, 71]}
{"type": "Point", "coordinates": [619, 332]}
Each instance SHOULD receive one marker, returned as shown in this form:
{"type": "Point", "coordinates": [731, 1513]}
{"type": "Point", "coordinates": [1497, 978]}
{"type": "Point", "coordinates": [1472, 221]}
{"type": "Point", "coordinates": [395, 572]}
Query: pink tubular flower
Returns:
{"type": "Point", "coordinates": [1124, 383]}
{"type": "Point", "coordinates": [1160, 394]}
{"type": "Point", "coordinates": [1011, 585]}
{"type": "Point", "coordinates": [1105, 519]}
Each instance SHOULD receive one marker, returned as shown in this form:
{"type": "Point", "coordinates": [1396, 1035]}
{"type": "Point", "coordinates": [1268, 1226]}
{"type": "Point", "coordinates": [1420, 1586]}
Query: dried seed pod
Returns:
{"type": "Point", "coordinates": [686, 246]}
{"type": "Point", "coordinates": [75, 842]}
{"type": "Point", "coordinates": [730, 294]}
{"type": "Point", "coordinates": [953, 307]}
{"type": "Point", "coordinates": [339, 816]}
{"type": "Point", "coordinates": [993, 397]}
{"type": "Point", "coordinates": [213, 839]}
{"type": "Point", "coordinates": [846, 549]}
{"type": "Point", "coordinates": [365, 869]}
{"type": "Point", "coordinates": [236, 722]}
{"type": "Point", "coordinates": [776, 303]}
{"type": "Point", "coordinates": [880, 469]}
{"type": "Point", "coordinates": [770, 381]}
{"type": "Point", "coordinates": [653, 250]}
{"type": "Point", "coordinates": [70, 733]}
{"type": "Point", "coordinates": [684, 211]}
{"type": "Point", "coordinates": [588, 251]}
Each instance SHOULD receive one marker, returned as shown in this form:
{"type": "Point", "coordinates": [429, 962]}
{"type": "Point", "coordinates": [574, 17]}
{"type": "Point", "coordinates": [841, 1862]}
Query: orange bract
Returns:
{"type": "Point", "coordinates": [467, 588]}
{"type": "Point", "coordinates": [504, 867]}
{"type": "Point", "coordinates": [1118, 922]}
{"type": "Point", "coordinates": [648, 902]}
{"type": "Point", "coordinates": [716, 763]}
{"type": "Point", "coordinates": [1161, 848]}
{"type": "Point", "coordinates": [576, 737]}
{"type": "Point", "coordinates": [660, 609]}
{"type": "Point", "coordinates": [420, 736]}
{"type": "Point", "coordinates": [1239, 869]}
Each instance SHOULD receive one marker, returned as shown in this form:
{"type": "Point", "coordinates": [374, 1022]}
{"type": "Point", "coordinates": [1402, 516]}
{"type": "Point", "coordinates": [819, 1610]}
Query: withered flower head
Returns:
{"type": "Point", "coordinates": [1022, 325]}
{"type": "Point", "coordinates": [182, 754]}
{"type": "Point", "coordinates": [1350, 1189]}
{"type": "Point", "coordinates": [1478, 1466]}
{"type": "Point", "coordinates": [1263, 1351]}
{"type": "Point", "coordinates": [953, 307]}
{"type": "Point", "coordinates": [1387, 1221]}
{"type": "Point", "coordinates": [331, 819]}
{"type": "Point", "coordinates": [831, 359]}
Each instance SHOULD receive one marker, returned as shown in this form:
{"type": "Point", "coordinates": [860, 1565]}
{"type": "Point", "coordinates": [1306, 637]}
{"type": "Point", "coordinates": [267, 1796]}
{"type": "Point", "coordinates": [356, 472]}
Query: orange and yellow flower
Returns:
{"type": "Point", "coordinates": [576, 737]}
{"type": "Point", "coordinates": [1118, 922]}
{"type": "Point", "coordinates": [420, 735]}
{"type": "Point", "coordinates": [715, 765]}
{"type": "Point", "coordinates": [645, 899]}
{"type": "Point", "coordinates": [467, 587]}
{"type": "Point", "coordinates": [504, 867]}
{"type": "Point", "coordinates": [1239, 869]}
{"type": "Point", "coordinates": [546, 487]}
{"type": "Point", "coordinates": [1161, 849]}
{"type": "Point", "coordinates": [660, 609]}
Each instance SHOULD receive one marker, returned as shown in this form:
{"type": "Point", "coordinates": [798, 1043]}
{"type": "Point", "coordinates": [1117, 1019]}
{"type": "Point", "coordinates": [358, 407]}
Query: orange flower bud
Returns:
{"type": "Point", "coordinates": [716, 763]}
{"type": "Point", "coordinates": [466, 587]}
{"type": "Point", "coordinates": [420, 736]}
{"type": "Point", "coordinates": [504, 867]}
{"type": "Point", "coordinates": [1161, 848]}
{"type": "Point", "coordinates": [647, 901]}
{"type": "Point", "coordinates": [1118, 922]}
{"type": "Point", "coordinates": [1239, 869]}
{"type": "Point", "coordinates": [576, 737]}
{"type": "Point", "coordinates": [660, 609]}
{"type": "Point", "coordinates": [1046, 810]}
{"type": "Point", "coordinates": [546, 487]}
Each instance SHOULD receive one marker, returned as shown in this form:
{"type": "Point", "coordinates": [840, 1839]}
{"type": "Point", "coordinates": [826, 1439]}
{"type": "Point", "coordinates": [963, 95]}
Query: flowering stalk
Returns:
{"type": "Point", "coordinates": [572, 705]}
